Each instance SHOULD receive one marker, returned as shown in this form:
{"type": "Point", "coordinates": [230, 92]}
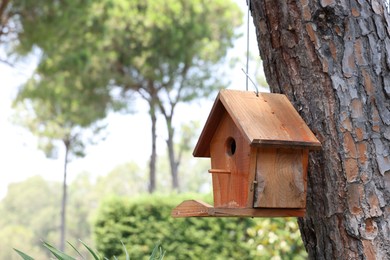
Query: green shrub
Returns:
{"type": "Point", "coordinates": [157, 253]}
{"type": "Point", "coordinates": [276, 238]}
{"type": "Point", "coordinates": [140, 222]}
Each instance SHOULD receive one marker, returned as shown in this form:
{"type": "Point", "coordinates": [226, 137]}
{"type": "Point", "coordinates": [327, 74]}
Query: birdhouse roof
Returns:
{"type": "Point", "coordinates": [264, 120]}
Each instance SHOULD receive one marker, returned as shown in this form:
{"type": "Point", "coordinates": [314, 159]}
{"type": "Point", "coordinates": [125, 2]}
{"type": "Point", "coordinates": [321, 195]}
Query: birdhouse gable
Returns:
{"type": "Point", "coordinates": [264, 120]}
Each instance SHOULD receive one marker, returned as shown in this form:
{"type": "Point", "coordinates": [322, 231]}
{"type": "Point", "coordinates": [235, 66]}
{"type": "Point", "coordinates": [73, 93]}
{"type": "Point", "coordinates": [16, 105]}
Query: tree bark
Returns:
{"type": "Point", "coordinates": [174, 158]}
{"type": "Point", "coordinates": [173, 162]}
{"type": "Point", "coordinates": [153, 156]}
{"type": "Point", "coordinates": [3, 16]}
{"type": "Point", "coordinates": [332, 60]}
{"type": "Point", "coordinates": [64, 198]}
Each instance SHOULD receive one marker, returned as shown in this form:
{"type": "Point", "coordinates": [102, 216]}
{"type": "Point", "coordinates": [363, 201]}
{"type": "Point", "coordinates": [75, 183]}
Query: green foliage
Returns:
{"type": "Point", "coordinates": [277, 238]}
{"type": "Point", "coordinates": [157, 253]}
{"type": "Point", "coordinates": [32, 196]}
{"type": "Point", "coordinates": [60, 108]}
{"type": "Point", "coordinates": [29, 205]}
{"type": "Point", "coordinates": [25, 212]}
{"type": "Point", "coordinates": [195, 170]}
{"type": "Point", "coordinates": [165, 44]}
{"type": "Point", "coordinates": [160, 40]}
{"type": "Point", "coordinates": [23, 255]}
{"type": "Point", "coordinates": [30, 213]}
{"type": "Point", "coordinates": [68, 95]}
{"type": "Point", "coordinates": [166, 50]}
{"type": "Point", "coordinates": [18, 236]}
{"type": "Point", "coordinates": [127, 179]}
{"type": "Point", "coordinates": [139, 222]}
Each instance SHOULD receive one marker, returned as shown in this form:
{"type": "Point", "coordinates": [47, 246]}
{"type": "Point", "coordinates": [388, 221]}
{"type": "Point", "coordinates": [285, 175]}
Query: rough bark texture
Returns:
{"type": "Point", "coordinates": [332, 60]}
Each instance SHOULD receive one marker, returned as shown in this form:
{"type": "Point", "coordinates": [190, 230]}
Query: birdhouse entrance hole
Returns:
{"type": "Point", "coordinates": [231, 146]}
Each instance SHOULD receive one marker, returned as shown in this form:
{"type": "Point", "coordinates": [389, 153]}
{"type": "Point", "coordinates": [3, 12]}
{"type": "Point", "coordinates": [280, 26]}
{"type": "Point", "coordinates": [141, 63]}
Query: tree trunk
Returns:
{"type": "Point", "coordinates": [153, 156]}
{"type": "Point", "coordinates": [64, 197]}
{"type": "Point", "coordinates": [4, 19]}
{"type": "Point", "coordinates": [332, 60]}
{"type": "Point", "coordinates": [173, 162]}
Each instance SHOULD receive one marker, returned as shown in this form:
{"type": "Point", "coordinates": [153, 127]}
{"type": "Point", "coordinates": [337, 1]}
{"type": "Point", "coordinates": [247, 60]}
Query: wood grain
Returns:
{"type": "Point", "coordinates": [196, 208]}
{"type": "Point", "coordinates": [191, 208]}
{"type": "Point", "coordinates": [230, 190]}
{"type": "Point", "coordinates": [219, 171]}
{"type": "Point", "coordinates": [264, 120]}
{"type": "Point", "coordinates": [281, 178]}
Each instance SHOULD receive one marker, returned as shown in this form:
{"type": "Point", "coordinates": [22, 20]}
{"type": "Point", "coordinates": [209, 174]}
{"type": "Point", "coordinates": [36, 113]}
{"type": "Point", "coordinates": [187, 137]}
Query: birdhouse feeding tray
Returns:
{"type": "Point", "coordinates": [259, 146]}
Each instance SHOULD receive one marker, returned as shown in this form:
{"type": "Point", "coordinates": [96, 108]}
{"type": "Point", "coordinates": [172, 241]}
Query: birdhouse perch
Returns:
{"type": "Point", "coordinates": [259, 146]}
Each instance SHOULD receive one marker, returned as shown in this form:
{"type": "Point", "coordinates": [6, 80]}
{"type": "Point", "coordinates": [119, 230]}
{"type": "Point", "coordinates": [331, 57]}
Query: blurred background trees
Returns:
{"type": "Point", "coordinates": [168, 52]}
{"type": "Point", "coordinates": [89, 47]}
{"type": "Point", "coordinates": [58, 108]}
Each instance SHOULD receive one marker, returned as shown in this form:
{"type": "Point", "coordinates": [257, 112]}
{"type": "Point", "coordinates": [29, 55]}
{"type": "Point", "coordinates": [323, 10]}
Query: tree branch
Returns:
{"type": "Point", "coordinates": [3, 5]}
{"type": "Point", "coordinates": [7, 63]}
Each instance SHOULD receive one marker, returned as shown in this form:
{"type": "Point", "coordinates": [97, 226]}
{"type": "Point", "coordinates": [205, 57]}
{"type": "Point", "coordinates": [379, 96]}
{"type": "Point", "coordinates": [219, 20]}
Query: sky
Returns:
{"type": "Point", "coordinates": [128, 136]}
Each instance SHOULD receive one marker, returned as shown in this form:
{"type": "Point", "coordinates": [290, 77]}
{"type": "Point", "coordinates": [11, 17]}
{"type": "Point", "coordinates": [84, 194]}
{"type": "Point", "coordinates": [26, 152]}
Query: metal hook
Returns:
{"type": "Point", "coordinates": [247, 77]}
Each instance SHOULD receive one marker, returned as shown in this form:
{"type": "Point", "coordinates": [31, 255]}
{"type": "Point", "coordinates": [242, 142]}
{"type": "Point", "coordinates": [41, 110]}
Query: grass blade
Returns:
{"type": "Point", "coordinates": [23, 255]}
{"type": "Point", "coordinates": [162, 253]}
{"type": "Point", "coordinates": [91, 251]}
{"type": "Point", "coordinates": [157, 249]}
{"type": "Point", "coordinates": [60, 255]}
{"type": "Point", "coordinates": [127, 254]}
{"type": "Point", "coordinates": [75, 249]}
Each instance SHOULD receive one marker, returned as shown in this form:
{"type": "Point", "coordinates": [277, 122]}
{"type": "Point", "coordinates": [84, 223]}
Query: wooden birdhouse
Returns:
{"type": "Point", "coordinates": [259, 146]}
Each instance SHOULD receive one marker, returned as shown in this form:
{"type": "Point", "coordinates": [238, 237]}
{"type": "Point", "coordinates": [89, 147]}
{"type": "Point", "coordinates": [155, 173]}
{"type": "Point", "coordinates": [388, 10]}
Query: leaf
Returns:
{"type": "Point", "coordinates": [91, 251]}
{"type": "Point", "coordinates": [75, 249]}
{"type": "Point", "coordinates": [157, 253]}
{"type": "Point", "coordinates": [154, 252]}
{"type": "Point", "coordinates": [60, 255]}
{"type": "Point", "coordinates": [162, 253]}
{"type": "Point", "coordinates": [124, 249]}
{"type": "Point", "coordinates": [23, 255]}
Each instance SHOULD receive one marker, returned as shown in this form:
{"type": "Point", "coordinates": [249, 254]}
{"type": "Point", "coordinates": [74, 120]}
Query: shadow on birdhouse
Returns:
{"type": "Point", "coordinates": [259, 146]}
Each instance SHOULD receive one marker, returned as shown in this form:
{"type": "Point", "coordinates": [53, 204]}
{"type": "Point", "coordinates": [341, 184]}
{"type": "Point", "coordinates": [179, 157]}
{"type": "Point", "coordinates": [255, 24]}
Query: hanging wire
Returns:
{"type": "Point", "coordinates": [247, 77]}
{"type": "Point", "coordinates": [248, 2]}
